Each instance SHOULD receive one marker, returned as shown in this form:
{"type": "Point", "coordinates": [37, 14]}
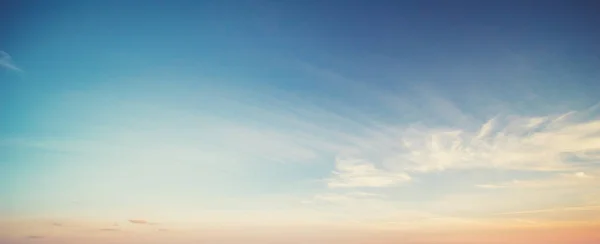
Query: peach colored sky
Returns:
{"type": "Point", "coordinates": [37, 231]}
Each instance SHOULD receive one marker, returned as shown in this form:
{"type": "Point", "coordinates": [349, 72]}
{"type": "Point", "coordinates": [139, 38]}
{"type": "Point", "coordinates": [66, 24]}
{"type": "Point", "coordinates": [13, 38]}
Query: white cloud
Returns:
{"type": "Point", "coordinates": [486, 129]}
{"type": "Point", "coordinates": [568, 142]}
{"type": "Point", "coordinates": [349, 197]}
{"type": "Point", "coordinates": [7, 62]}
{"type": "Point", "coordinates": [492, 186]}
{"type": "Point", "coordinates": [582, 175]}
{"type": "Point", "coordinates": [510, 142]}
{"type": "Point", "coordinates": [553, 143]}
{"type": "Point", "coordinates": [369, 155]}
{"type": "Point", "coordinates": [560, 180]}
{"type": "Point", "coordinates": [359, 173]}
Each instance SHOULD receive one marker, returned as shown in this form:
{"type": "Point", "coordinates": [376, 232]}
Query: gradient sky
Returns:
{"type": "Point", "coordinates": [317, 121]}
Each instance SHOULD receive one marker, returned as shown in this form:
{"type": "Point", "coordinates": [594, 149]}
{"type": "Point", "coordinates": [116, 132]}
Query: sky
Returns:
{"type": "Point", "coordinates": [413, 122]}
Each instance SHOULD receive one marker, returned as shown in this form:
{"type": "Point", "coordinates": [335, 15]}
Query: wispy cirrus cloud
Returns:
{"type": "Point", "coordinates": [553, 143]}
{"type": "Point", "coordinates": [346, 197]}
{"type": "Point", "coordinates": [359, 173]}
{"type": "Point", "coordinates": [552, 210]}
{"type": "Point", "coordinates": [371, 155]}
{"type": "Point", "coordinates": [509, 142]}
{"type": "Point", "coordinates": [559, 180]}
{"type": "Point", "coordinates": [7, 62]}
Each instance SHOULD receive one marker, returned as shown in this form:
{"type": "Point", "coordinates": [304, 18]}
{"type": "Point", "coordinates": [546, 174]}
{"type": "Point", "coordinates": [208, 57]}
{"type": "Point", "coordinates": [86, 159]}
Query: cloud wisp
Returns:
{"type": "Point", "coordinates": [342, 151]}
{"type": "Point", "coordinates": [551, 210]}
{"type": "Point", "coordinates": [559, 180]}
{"type": "Point", "coordinates": [110, 229]}
{"type": "Point", "coordinates": [6, 62]}
{"type": "Point", "coordinates": [359, 173]}
{"type": "Point", "coordinates": [138, 221]}
{"type": "Point", "coordinates": [554, 143]}
{"type": "Point", "coordinates": [550, 143]}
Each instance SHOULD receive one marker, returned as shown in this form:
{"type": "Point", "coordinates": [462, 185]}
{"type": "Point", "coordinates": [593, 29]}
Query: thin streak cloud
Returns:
{"type": "Point", "coordinates": [138, 221]}
{"type": "Point", "coordinates": [358, 173]}
{"type": "Point", "coordinates": [6, 62]}
{"type": "Point", "coordinates": [564, 209]}
{"type": "Point", "coordinates": [109, 229]}
{"type": "Point", "coordinates": [558, 180]}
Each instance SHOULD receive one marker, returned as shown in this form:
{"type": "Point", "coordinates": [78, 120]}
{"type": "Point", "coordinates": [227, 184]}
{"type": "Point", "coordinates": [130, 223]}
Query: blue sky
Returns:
{"type": "Point", "coordinates": [338, 112]}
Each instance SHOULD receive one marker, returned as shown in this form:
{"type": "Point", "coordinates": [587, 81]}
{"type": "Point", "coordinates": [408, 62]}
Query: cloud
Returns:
{"type": "Point", "coordinates": [7, 62]}
{"type": "Point", "coordinates": [509, 142]}
{"type": "Point", "coordinates": [558, 180]}
{"type": "Point", "coordinates": [368, 155]}
{"type": "Point", "coordinates": [333, 198]}
{"type": "Point", "coordinates": [138, 221]}
{"type": "Point", "coordinates": [389, 156]}
{"type": "Point", "coordinates": [347, 198]}
{"type": "Point", "coordinates": [35, 237]}
{"type": "Point", "coordinates": [492, 186]}
{"type": "Point", "coordinates": [486, 129]}
{"type": "Point", "coordinates": [359, 173]}
{"type": "Point", "coordinates": [549, 210]}
{"type": "Point", "coordinates": [109, 229]}
{"type": "Point", "coordinates": [360, 194]}
{"type": "Point", "coordinates": [582, 175]}
{"type": "Point", "coordinates": [535, 143]}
